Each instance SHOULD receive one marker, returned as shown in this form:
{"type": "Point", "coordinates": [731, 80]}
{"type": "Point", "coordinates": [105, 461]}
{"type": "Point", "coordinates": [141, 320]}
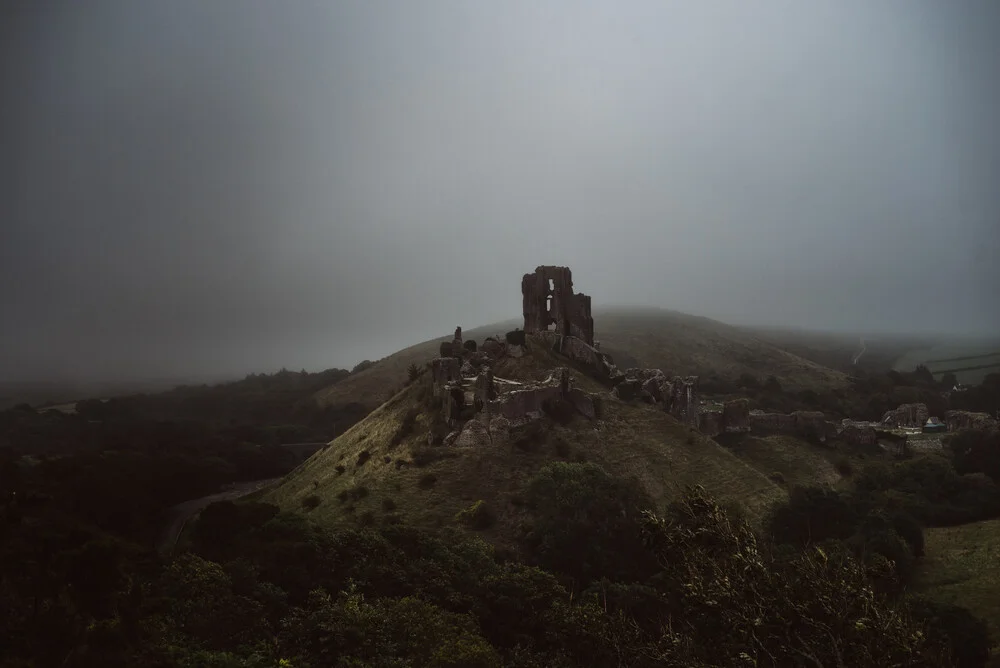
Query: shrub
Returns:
{"type": "Point", "coordinates": [515, 337]}
{"type": "Point", "coordinates": [470, 345]}
{"type": "Point", "coordinates": [366, 519]}
{"type": "Point", "coordinates": [405, 427]}
{"type": "Point", "coordinates": [427, 481]}
{"type": "Point", "coordinates": [812, 515]}
{"type": "Point", "coordinates": [412, 372]}
{"type": "Point", "coordinates": [388, 505]}
{"type": "Point", "coordinates": [967, 636]}
{"type": "Point", "coordinates": [425, 456]}
{"type": "Point", "coordinates": [363, 457]}
{"type": "Point", "coordinates": [311, 502]}
{"type": "Point", "coordinates": [476, 516]}
{"type": "Point", "coordinates": [340, 468]}
{"type": "Point", "coordinates": [778, 477]}
{"type": "Point", "coordinates": [586, 523]}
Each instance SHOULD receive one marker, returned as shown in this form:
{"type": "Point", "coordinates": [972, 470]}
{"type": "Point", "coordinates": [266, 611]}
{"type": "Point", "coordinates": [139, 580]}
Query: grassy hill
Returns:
{"type": "Point", "coordinates": [962, 567]}
{"type": "Point", "coordinates": [677, 343]}
{"type": "Point", "coordinates": [381, 470]}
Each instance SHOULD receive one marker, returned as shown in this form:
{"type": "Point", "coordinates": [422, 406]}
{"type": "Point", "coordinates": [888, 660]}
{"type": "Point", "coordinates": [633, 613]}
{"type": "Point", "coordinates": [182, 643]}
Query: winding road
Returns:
{"type": "Point", "coordinates": [858, 356]}
{"type": "Point", "coordinates": [179, 515]}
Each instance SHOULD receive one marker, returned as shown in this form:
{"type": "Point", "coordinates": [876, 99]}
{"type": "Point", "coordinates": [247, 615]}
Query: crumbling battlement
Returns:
{"type": "Point", "coordinates": [548, 299]}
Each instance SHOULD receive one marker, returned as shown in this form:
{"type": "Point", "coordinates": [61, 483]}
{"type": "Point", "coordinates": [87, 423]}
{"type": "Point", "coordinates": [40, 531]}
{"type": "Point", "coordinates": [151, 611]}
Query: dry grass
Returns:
{"type": "Point", "coordinates": [962, 567]}
{"type": "Point", "coordinates": [797, 461]}
{"type": "Point", "coordinates": [690, 345]}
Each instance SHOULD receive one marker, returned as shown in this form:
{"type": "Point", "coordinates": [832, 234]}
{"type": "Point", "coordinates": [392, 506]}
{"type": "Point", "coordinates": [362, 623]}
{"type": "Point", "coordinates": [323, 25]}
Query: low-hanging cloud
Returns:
{"type": "Point", "coordinates": [200, 188]}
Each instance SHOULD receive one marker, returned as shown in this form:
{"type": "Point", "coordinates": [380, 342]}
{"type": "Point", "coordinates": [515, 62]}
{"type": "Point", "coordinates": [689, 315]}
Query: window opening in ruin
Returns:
{"type": "Point", "coordinates": [552, 285]}
{"type": "Point", "coordinates": [551, 327]}
{"type": "Point", "coordinates": [548, 303]}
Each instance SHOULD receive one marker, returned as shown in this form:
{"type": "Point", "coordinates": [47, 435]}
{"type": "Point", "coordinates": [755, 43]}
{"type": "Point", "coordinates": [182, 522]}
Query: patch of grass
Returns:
{"type": "Point", "coordinates": [406, 427]}
{"type": "Point", "coordinates": [353, 494]}
{"type": "Point", "coordinates": [426, 481]}
{"type": "Point", "coordinates": [559, 410]}
{"type": "Point", "coordinates": [477, 516]}
{"type": "Point", "coordinates": [798, 461]}
{"type": "Point", "coordinates": [311, 502]}
{"type": "Point", "coordinates": [961, 567]}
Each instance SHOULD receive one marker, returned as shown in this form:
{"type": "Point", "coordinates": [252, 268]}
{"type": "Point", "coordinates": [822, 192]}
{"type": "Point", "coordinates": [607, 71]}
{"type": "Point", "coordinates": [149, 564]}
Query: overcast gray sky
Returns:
{"type": "Point", "coordinates": [236, 185]}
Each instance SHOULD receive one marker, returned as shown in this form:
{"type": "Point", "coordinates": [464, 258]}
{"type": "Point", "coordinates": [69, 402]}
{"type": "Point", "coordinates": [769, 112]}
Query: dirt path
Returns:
{"type": "Point", "coordinates": [179, 515]}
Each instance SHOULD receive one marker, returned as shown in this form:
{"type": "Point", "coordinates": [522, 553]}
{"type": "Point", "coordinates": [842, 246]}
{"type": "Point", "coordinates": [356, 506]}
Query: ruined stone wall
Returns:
{"type": "Point", "coordinates": [959, 420]}
{"type": "Point", "coordinates": [444, 370]}
{"type": "Point", "coordinates": [736, 416]}
{"type": "Point", "coordinates": [711, 423]}
{"type": "Point", "coordinates": [547, 299]}
{"type": "Point", "coordinates": [772, 422]}
{"type": "Point", "coordinates": [859, 434]}
{"type": "Point", "coordinates": [684, 399]}
{"type": "Point", "coordinates": [907, 415]}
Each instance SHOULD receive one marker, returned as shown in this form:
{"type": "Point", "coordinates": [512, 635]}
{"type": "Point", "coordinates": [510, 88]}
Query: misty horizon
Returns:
{"type": "Point", "coordinates": [209, 190]}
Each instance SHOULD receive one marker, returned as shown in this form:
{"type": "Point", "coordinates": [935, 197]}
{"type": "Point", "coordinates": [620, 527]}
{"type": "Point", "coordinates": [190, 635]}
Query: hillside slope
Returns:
{"type": "Point", "coordinates": [381, 470]}
{"type": "Point", "coordinates": [677, 343]}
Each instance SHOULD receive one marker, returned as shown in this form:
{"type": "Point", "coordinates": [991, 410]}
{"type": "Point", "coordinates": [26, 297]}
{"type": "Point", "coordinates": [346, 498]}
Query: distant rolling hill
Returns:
{"type": "Point", "coordinates": [675, 342]}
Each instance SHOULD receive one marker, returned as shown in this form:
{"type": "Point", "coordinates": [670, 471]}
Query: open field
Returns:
{"type": "Point", "coordinates": [796, 461]}
{"type": "Point", "coordinates": [962, 567]}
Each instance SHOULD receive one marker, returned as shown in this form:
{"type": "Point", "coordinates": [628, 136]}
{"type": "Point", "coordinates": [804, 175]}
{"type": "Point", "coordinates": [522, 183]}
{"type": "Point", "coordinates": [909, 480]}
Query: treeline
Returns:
{"type": "Point", "coordinates": [595, 579]}
{"type": "Point", "coordinates": [868, 397]}
{"type": "Point", "coordinates": [263, 408]}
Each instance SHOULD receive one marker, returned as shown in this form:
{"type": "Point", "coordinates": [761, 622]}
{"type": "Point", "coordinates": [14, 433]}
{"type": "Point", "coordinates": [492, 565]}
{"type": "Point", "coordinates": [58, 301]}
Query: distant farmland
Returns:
{"type": "Point", "coordinates": [970, 361]}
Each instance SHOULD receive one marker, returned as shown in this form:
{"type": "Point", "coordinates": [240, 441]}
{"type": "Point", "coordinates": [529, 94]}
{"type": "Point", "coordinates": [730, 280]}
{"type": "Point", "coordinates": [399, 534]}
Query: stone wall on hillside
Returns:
{"type": "Point", "coordinates": [959, 420]}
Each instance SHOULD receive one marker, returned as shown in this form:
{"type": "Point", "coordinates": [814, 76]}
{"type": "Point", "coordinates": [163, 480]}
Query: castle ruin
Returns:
{"type": "Point", "coordinates": [548, 300]}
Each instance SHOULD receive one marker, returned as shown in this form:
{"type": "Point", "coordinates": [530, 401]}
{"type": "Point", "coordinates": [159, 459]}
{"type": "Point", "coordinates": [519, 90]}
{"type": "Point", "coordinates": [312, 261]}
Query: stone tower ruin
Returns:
{"type": "Point", "coordinates": [549, 300]}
